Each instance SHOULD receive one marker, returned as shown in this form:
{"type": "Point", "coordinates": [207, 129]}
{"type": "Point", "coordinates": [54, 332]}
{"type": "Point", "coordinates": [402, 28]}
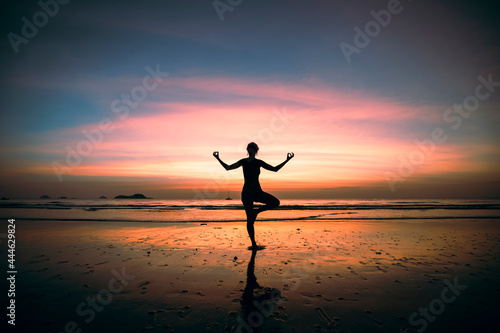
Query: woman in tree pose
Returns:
{"type": "Point", "coordinates": [252, 192]}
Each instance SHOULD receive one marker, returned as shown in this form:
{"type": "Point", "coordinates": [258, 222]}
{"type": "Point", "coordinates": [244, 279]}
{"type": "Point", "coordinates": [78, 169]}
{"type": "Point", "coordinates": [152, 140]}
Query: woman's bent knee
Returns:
{"type": "Point", "coordinates": [276, 203]}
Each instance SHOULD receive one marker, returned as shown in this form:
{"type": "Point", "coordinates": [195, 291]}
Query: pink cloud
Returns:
{"type": "Point", "coordinates": [338, 136]}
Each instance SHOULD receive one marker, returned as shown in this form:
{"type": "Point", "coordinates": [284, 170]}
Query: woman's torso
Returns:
{"type": "Point", "coordinates": [251, 172]}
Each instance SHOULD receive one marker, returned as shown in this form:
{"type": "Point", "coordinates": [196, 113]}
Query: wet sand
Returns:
{"type": "Point", "coordinates": [311, 277]}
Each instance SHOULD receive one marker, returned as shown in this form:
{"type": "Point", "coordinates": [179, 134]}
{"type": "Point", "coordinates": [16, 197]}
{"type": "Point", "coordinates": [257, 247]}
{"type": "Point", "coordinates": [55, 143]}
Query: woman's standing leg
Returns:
{"type": "Point", "coordinates": [251, 215]}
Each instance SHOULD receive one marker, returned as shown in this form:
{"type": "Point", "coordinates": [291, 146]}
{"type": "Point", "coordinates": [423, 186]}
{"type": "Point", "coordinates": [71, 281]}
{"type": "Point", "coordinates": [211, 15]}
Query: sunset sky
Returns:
{"type": "Point", "coordinates": [123, 97]}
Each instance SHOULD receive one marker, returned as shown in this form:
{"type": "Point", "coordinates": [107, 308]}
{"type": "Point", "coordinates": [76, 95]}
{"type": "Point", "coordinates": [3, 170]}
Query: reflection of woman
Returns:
{"type": "Point", "coordinates": [257, 302]}
{"type": "Point", "coordinates": [252, 192]}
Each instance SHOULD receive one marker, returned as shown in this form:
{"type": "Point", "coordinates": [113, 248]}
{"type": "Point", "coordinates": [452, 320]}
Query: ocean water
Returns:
{"type": "Point", "coordinates": [205, 211]}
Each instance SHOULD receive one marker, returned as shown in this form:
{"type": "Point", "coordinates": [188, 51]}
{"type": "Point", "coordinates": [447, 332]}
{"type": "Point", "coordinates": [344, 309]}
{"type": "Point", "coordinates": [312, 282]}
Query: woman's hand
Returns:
{"type": "Point", "coordinates": [289, 156]}
{"type": "Point", "coordinates": [216, 154]}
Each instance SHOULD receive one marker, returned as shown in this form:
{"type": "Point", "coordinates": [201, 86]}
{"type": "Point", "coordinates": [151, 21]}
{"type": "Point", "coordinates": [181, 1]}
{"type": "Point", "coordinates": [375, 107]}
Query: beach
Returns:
{"type": "Point", "coordinates": [313, 276]}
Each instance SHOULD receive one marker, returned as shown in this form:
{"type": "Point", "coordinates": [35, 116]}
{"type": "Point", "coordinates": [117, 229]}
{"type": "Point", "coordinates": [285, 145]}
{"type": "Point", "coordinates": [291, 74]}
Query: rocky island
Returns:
{"type": "Point", "coordinates": [134, 196]}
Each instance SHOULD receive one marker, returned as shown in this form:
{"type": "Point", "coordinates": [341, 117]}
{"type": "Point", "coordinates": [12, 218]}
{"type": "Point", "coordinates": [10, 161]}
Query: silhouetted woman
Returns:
{"type": "Point", "coordinates": [252, 192]}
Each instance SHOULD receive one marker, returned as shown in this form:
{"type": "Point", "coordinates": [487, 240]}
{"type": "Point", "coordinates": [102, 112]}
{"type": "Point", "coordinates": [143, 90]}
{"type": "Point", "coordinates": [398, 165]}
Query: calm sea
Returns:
{"type": "Point", "coordinates": [152, 210]}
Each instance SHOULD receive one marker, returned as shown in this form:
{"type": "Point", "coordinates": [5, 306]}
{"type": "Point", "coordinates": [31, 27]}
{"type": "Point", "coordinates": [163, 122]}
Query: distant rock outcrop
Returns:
{"type": "Point", "coordinates": [102, 197]}
{"type": "Point", "coordinates": [134, 196]}
{"type": "Point", "coordinates": [62, 198]}
{"type": "Point", "coordinates": [45, 196]}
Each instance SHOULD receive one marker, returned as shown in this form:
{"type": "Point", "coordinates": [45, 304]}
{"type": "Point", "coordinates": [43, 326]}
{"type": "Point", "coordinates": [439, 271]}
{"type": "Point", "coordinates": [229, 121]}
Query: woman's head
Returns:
{"type": "Point", "coordinates": [252, 146]}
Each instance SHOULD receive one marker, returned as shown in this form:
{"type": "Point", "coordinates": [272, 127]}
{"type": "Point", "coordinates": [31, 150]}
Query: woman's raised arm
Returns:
{"type": "Point", "coordinates": [266, 166]}
{"type": "Point", "coordinates": [227, 167]}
